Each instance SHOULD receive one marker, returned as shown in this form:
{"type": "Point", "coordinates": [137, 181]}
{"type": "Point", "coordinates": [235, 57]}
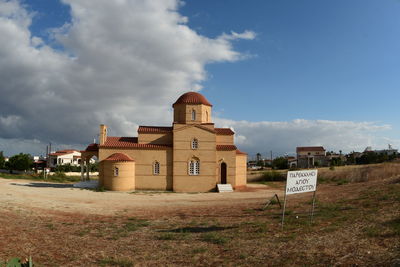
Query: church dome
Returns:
{"type": "Point", "coordinates": [192, 98]}
{"type": "Point", "coordinates": [119, 157]}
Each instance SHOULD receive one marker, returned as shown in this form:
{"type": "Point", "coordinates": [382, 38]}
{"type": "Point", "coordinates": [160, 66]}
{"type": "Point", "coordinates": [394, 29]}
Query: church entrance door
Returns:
{"type": "Point", "coordinates": [223, 173]}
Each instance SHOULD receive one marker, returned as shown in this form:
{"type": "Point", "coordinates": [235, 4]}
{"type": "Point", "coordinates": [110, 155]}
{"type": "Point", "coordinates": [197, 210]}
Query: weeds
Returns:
{"type": "Point", "coordinates": [214, 238]}
{"type": "Point", "coordinates": [116, 262]}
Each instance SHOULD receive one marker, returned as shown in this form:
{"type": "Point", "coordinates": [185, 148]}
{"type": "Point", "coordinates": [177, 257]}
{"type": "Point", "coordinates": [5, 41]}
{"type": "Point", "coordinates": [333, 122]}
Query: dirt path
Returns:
{"type": "Point", "coordinates": [24, 194]}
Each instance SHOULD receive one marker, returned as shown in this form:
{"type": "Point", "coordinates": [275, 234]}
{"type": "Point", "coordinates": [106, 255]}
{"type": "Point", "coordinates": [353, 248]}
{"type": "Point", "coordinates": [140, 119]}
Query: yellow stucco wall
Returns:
{"type": "Point", "coordinates": [157, 139]}
{"type": "Point", "coordinates": [241, 170]}
{"type": "Point", "coordinates": [183, 113]}
{"type": "Point", "coordinates": [125, 181]}
{"type": "Point", "coordinates": [144, 159]}
{"type": "Point", "coordinates": [182, 153]}
{"type": "Point", "coordinates": [229, 158]}
{"type": "Point", "coordinates": [225, 140]}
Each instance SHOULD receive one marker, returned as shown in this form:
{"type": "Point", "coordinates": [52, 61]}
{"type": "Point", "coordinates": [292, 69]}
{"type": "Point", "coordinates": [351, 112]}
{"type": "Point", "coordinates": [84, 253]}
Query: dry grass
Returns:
{"type": "Point", "coordinates": [359, 173]}
{"type": "Point", "coordinates": [339, 175]}
{"type": "Point", "coordinates": [356, 224]}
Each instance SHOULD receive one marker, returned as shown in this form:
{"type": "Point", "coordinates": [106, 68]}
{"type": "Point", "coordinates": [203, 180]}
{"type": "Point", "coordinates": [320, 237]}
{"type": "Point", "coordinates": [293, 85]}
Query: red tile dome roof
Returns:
{"type": "Point", "coordinates": [119, 157]}
{"type": "Point", "coordinates": [192, 98]}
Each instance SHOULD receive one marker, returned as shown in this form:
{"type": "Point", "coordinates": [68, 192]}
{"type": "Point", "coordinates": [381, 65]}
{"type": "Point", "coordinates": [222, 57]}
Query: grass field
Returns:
{"type": "Point", "coordinates": [356, 223]}
{"type": "Point", "coordinates": [57, 177]}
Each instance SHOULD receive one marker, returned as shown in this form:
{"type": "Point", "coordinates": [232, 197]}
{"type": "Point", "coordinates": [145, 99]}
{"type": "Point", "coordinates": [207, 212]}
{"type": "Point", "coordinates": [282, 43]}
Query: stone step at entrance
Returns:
{"type": "Point", "coordinates": [222, 188]}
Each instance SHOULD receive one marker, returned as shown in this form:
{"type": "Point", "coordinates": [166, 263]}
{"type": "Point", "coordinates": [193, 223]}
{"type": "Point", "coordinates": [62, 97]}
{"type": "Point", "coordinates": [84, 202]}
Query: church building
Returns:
{"type": "Point", "coordinates": [190, 156]}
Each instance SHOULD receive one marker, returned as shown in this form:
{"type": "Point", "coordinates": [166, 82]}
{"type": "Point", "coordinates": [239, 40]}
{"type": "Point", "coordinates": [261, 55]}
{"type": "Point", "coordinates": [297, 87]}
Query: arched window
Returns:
{"type": "Point", "coordinates": [116, 171]}
{"type": "Point", "coordinates": [156, 168]}
{"type": "Point", "coordinates": [195, 144]}
{"type": "Point", "coordinates": [193, 115]}
{"type": "Point", "coordinates": [206, 116]}
{"type": "Point", "coordinates": [194, 167]}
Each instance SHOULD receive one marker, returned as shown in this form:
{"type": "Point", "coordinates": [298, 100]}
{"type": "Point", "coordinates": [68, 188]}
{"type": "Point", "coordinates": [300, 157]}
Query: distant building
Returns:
{"type": "Point", "coordinates": [389, 151]}
{"type": "Point", "coordinates": [63, 157]}
{"type": "Point", "coordinates": [292, 162]}
{"type": "Point", "coordinates": [39, 162]}
{"type": "Point", "coordinates": [311, 156]}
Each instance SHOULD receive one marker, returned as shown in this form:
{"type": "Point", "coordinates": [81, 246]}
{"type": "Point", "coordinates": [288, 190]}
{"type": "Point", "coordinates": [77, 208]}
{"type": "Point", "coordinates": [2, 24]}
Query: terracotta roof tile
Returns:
{"type": "Point", "coordinates": [226, 147]}
{"type": "Point", "coordinates": [238, 152]}
{"type": "Point", "coordinates": [224, 131]}
{"type": "Point", "coordinates": [154, 129]}
{"type": "Point", "coordinates": [309, 148]}
{"type": "Point", "coordinates": [63, 152]}
{"type": "Point", "coordinates": [192, 98]}
{"type": "Point", "coordinates": [56, 154]}
{"type": "Point", "coordinates": [129, 142]}
{"type": "Point", "coordinates": [119, 157]}
{"type": "Point", "coordinates": [92, 147]}
{"type": "Point", "coordinates": [67, 151]}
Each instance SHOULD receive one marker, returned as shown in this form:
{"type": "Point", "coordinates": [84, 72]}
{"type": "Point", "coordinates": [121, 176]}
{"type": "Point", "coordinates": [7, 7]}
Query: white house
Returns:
{"type": "Point", "coordinates": [67, 156]}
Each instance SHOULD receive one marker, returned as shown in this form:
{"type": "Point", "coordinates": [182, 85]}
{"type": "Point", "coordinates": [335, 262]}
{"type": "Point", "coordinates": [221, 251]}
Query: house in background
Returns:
{"type": "Point", "coordinates": [292, 162]}
{"type": "Point", "coordinates": [67, 156]}
{"type": "Point", "coordinates": [389, 151]}
{"type": "Point", "coordinates": [311, 156]}
{"type": "Point", "coordinates": [39, 163]}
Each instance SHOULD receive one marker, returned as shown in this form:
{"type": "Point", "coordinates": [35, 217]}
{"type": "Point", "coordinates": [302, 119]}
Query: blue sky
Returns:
{"type": "Point", "coordinates": [311, 63]}
{"type": "Point", "coordinates": [335, 60]}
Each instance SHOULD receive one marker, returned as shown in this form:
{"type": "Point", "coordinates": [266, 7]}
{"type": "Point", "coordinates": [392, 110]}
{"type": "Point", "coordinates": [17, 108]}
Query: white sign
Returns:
{"type": "Point", "coordinates": [301, 181]}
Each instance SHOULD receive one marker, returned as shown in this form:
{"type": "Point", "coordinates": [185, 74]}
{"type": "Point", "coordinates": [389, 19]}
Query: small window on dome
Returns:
{"type": "Point", "coordinates": [116, 171]}
{"type": "Point", "coordinates": [193, 115]}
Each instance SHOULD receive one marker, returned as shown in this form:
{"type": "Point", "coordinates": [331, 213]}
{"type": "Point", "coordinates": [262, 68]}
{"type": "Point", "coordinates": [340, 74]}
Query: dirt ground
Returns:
{"type": "Point", "coordinates": [355, 224]}
{"type": "Point", "coordinates": [27, 195]}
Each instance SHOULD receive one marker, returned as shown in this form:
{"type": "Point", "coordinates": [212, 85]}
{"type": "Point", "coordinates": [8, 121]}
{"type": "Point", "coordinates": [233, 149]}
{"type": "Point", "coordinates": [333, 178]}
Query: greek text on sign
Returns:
{"type": "Point", "coordinates": [301, 181]}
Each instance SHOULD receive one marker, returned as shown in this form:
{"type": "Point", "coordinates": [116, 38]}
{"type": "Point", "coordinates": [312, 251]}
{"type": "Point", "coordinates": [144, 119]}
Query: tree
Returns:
{"type": "Point", "coordinates": [2, 160]}
{"type": "Point", "coordinates": [280, 163]}
{"type": "Point", "coordinates": [20, 162]}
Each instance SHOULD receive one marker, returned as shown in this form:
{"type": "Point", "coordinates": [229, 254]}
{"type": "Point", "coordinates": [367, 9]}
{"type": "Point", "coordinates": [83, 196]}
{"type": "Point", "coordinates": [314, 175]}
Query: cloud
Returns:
{"type": "Point", "coordinates": [120, 62]}
{"type": "Point", "coordinates": [247, 35]}
{"type": "Point", "coordinates": [283, 137]}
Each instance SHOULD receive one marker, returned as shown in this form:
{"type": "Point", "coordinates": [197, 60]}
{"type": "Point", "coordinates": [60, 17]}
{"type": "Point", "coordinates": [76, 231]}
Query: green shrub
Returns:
{"type": "Point", "coordinates": [272, 176]}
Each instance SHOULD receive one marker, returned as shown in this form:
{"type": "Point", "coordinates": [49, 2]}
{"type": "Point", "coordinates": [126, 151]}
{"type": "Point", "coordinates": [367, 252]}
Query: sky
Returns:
{"type": "Point", "coordinates": [281, 74]}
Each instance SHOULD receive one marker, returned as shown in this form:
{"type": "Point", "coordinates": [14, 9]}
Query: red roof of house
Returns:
{"type": "Point", "coordinates": [63, 152]}
{"type": "Point", "coordinates": [192, 98]}
{"type": "Point", "coordinates": [128, 142]}
{"type": "Point", "coordinates": [224, 131]}
{"type": "Point", "coordinates": [119, 157]}
{"type": "Point", "coordinates": [226, 147]}
{"type": "Point", "coordinates": [310, 148]}
{"type": "Point", "coordinates": [67, 151]}
{"type": "Point", "coordinates": [56, 154]}
{"type": "Point", "coordinates": [92, 147]}
{"type": "Point", "coordinates": [240, 152]}
{"type": "Point", "coordinates": [154, 129]}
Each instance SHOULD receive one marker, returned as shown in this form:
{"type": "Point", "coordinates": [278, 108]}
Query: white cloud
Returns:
{"type": "Point", "coordinates": [283, 137]}
{"type": "Point", "coordinates": [121, 62]}
{"type": "Point", "coordinates": [247, 35]}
